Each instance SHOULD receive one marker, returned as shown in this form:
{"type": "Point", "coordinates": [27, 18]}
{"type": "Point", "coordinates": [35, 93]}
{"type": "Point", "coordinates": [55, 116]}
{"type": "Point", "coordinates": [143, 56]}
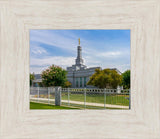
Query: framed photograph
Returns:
{"type": "Point", "coordinates": [54, 56]}
{"type": "Point", "coordinates": [95, 74]}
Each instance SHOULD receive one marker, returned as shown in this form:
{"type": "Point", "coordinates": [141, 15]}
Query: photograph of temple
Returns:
{"type": "Point", "coordinates": [80, 69]}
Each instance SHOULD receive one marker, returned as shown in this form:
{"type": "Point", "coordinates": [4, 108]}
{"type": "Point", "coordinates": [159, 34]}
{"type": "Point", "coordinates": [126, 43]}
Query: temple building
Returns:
{"type": "Point", "coordinates": [78, 74]}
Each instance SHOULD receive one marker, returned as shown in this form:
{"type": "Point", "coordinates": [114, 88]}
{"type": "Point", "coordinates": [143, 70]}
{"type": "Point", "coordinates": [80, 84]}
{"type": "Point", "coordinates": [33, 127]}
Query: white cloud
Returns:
{"type": "Point", "coordinates": [37, 69]}
{"type": "Point", "coordinates": [55, 39]}
{"type": "Point", "coordinates": [101, 59]}
{"type": "Point", "coordinates": [38, 65]}
{"type": "Point", "coordinates": [110, 54]}
{"type": "Point", "coordinates": [38, 50]}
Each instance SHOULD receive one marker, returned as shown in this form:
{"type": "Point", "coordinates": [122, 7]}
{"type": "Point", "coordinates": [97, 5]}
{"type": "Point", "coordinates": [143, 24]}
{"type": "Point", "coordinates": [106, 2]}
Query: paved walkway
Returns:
{"type": "Point", "coordinates": [82, 103]}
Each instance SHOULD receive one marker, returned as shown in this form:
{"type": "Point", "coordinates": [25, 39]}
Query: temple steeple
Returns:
{"type": "Point", "coordinates": [79, 60]}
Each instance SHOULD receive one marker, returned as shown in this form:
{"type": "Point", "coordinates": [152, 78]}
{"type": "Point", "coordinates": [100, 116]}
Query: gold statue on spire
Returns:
{"type": "Point", "coordinates": [79, 41]}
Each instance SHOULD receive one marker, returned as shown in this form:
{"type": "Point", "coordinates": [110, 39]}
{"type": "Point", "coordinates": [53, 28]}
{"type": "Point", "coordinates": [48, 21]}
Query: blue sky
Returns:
{"type": "Point", "coordinates": [104, 48]}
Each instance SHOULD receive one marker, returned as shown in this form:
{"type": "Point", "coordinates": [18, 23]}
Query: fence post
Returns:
{"type": "Point", "coordinates": [38, 93]}
{"type": "Point", "coordinates": [84, 98]}
{"type": "Point", "coordinates": [48, 95]}
{"type": "Point", "coordinates": [129, 98]}
{"type": "Point", "coordinates": [118, 89]}
{"type": "Point", "coordinates": [105, 98]}
{"type": "Point", "coordinates": [58, 96]}
{"type": "Point", "coordinates": [68, 97]}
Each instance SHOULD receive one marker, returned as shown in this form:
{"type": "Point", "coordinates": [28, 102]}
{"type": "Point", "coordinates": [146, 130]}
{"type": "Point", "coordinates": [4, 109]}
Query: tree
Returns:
{"type": "Point", "coordinates": [54, 76]}
{"type": "Point", "coordinates": [31, 78]}
{"type": "Point", "coordinates": [67, 84]}
{"type": "Point", "coordinates": [40, 84]}
{"type": "Point", "coordinates": [126, 79]}
{"type": "Point", "coordinates": [105, 79]}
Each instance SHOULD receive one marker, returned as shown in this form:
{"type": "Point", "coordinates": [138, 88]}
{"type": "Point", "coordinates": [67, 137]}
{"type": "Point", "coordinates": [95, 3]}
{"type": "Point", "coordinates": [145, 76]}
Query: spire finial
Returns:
{"type": "Point", "coordinates": [79, 41]}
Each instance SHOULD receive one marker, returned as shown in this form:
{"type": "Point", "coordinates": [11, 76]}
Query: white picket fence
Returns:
{"type": "Point", "coordinates": [82, 97]}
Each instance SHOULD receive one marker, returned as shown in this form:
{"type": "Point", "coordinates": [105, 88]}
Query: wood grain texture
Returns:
{"type": "Point", "coordinates": [18, 17]}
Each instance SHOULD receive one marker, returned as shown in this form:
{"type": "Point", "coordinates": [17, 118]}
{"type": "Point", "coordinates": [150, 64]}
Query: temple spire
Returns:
{"type": "Point", "coordinates": [79, 41]}
{"type": "Point", "coordinates": [79, 60]}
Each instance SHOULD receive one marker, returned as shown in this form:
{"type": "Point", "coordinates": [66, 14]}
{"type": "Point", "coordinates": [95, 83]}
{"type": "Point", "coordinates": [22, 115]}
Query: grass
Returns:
{"type": "Point", "coordinates": [95, 98]}
{"type": "Point", "coordinates": [40, 106]}
{"type": "Point", "coordinates": [115, 99]}
{"type": "Point", "coordinates": [34, 105]}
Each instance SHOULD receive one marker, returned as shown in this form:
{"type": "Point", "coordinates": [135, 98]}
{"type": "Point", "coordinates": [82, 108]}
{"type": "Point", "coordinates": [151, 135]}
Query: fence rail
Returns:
{"type": "Point", "coordinates": [83, 98]}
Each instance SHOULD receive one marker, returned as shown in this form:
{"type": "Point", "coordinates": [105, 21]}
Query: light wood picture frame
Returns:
{"type": "Point", "coordinates": [18, 17]}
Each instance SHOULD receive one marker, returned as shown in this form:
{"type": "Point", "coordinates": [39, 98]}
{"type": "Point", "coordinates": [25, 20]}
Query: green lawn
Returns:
{"type": "Point", "coordinates": [95, 98]}
{"type": "Point", "coordinates": [40, 106]}
{"type": "Point", "coordinates": [34, 105]}
{"type": "Point", "coordinates": [115, 99]}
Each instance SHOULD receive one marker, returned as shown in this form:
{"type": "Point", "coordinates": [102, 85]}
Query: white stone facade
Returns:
{"type": "Point", "coordinates": [79, 74]}
{"type": "Point", "coordinates": [79, 78]}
